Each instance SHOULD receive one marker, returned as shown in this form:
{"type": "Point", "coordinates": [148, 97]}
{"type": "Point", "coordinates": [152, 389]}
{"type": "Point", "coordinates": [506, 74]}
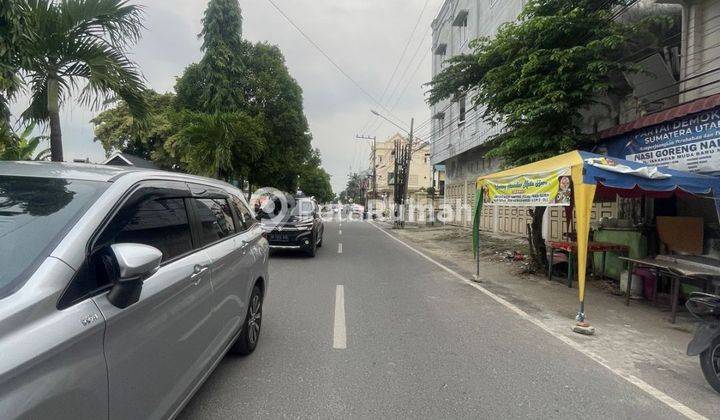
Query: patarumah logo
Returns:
{"type": "Point", "coordinates": [272, 205]}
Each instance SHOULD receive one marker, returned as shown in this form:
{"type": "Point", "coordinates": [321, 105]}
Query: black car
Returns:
{"type": "Point", "coordinates": [301, 230]}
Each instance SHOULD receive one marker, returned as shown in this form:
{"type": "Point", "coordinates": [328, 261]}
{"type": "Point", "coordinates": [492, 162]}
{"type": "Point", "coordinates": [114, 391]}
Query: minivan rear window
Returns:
{"type": "Point", "coordinates": [35, 213]}
{"type": "Point", "coordinates": [215, 217]}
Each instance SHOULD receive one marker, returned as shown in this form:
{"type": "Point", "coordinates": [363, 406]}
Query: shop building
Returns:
{"type": "Point", "coordinates": [670, 103]}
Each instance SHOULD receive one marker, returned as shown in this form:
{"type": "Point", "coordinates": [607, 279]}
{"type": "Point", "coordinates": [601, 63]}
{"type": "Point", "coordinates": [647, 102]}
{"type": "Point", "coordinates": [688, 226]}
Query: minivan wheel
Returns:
{"type": "Point", "coordinates": [250, 334]}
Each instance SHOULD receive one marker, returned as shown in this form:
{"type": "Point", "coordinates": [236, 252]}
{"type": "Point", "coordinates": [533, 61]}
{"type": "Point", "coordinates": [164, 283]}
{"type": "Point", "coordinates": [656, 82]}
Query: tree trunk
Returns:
{"type": "Point", "coordinates": [56, 148]}
{"type": "Point", "coordinates": [539, 251]}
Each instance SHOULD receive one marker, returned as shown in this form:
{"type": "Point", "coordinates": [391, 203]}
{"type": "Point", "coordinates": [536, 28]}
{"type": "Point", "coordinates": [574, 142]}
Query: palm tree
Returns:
{"type": "Point", "coordinates": [220, 145]}
{"type": "Point", "coordinates": [23, 147]}
{"type": "Point", "coordinates": [73, 41]}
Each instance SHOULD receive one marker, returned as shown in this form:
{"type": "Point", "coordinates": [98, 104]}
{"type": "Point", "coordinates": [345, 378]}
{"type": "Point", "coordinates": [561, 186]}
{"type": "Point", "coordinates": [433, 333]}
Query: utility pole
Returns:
{"type": "Point", "coordinates": [408, 160]}
{"type": "Point", "coordinates": [374, 157]}
{"type": "Point", "coordinates": [397, 176]}
{"type": "Point", "coordinates": [403, 158]}
{"type": "Point", "coordinates": [406, 152]}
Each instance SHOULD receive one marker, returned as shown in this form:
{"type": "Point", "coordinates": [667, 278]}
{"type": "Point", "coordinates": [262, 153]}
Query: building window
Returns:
{"type": "Point", "coordinates": [460, 23]}
{"type": "Point", "coordinates": [461, 106]}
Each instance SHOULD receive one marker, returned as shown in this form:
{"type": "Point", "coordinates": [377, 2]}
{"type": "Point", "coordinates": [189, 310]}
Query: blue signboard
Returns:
{"type": "Point", "coordinates": [690, 143]}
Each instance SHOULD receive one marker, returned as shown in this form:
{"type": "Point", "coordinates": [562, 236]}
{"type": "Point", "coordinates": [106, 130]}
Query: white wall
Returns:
{"type": "Point", "coordinates": [701, 25]}
{"type": "Point", "coordinates": [484, 19]}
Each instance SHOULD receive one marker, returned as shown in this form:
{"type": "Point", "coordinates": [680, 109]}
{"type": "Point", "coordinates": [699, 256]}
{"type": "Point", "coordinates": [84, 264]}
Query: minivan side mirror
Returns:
{"type": "Point", "coordinates": [135, 263]}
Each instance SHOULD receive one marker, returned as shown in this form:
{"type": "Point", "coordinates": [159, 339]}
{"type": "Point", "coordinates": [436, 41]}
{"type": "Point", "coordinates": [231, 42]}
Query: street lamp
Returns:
{"type": "Point", "coordinates": [389, 120]}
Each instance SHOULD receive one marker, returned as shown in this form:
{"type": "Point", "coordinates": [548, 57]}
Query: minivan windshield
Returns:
{"type": "Point", "coordinates": [34, 215]}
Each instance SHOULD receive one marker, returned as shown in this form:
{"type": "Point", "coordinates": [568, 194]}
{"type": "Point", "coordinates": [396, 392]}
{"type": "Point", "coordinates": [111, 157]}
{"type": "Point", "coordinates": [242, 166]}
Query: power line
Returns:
{"type": "Point", "coordinates": [437, 13]}
{"type": "Point", "coordinates": [407, 85]}
{"type": "Point", "coordinates": [705, 73]}
{"type": "Point", "coordinates": [330, 59]}
{"type": "Point", "coordinates": [409, 64]}
{"type": "Point", "coordinates": [602, 5]}
{"type": "Point", "coordinates": [402, 56]}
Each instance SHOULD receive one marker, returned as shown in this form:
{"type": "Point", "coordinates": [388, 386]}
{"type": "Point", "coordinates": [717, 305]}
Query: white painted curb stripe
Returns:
{"type": "Point", "coordinates": [644, 386]}
{"type": "Point", "coordinates": [339, 332]}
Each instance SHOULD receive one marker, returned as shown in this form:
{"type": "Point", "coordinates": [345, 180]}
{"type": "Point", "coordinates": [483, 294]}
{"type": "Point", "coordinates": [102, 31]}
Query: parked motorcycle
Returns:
{"type": "Point", "coordinates": [706, 343]}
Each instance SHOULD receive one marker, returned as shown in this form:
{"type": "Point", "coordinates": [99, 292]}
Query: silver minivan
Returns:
{"type": "Point", "coordinates": [121, 289]}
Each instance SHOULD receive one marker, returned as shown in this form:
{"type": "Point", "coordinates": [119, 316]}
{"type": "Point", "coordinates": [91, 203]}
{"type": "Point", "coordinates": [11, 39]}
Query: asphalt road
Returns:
{"type": "Point", "coordinates": [419, 344]}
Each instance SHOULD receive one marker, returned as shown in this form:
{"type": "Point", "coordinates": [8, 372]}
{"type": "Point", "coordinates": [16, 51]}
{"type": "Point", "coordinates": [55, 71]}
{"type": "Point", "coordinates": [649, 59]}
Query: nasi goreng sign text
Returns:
{"type": "Point", "coordinates": [552, 188]}
{"type": "Point", "coordinates": [688, 144]}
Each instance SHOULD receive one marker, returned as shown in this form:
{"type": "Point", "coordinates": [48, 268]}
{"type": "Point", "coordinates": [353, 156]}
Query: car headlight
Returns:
{"type": "Point", "coordinates": [304, 225]}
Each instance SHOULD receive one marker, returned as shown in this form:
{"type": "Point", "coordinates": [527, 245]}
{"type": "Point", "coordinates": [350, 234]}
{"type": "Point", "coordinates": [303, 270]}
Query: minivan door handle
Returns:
{"type": "Point", "coordinates": [198, 273]}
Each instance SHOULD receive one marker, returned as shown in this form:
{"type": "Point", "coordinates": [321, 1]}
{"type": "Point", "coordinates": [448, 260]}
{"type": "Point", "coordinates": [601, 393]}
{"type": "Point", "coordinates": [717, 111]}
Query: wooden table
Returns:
{"type": "Point", "coordinates": [693, 269]}
{"type": "Point", "coordinates": [571, 249]}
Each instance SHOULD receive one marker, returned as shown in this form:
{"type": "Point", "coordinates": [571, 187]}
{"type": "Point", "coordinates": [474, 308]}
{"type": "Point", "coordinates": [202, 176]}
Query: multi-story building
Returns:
{"type": "Point", "coordinates": [458, 132]}
{"type": "Point", "coordinates": [420, 172]}
{"type": "Point", "coordinates": [678, 90]}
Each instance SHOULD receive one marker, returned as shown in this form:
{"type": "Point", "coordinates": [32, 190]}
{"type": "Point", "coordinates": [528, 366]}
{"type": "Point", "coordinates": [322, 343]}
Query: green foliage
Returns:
{"type": "Point", "coordinates": [119, 131]}
{"type": "Point", "coordinates": [238, 76]}
{"type": "Point", "coordinates": [13, 16]}
{"type": "Point", "coordinates": [217, 83]}
{"type": "Point", "coordinates": [216, 144]}
{"type": "Point", "coordinates": [314, 181]}
{"type": "Point", "coordinates": [76, 41]}
{"type": "Point", "coordinates": [538, 74]}
{"type": "Point", "coordinates": [236, 114]}
{"type": "Point", "coordinates": [23, 146]}
{"type": "Point", "coordinates": [353, 189]}
{"type": "Point", "coordinates": [277, 97]}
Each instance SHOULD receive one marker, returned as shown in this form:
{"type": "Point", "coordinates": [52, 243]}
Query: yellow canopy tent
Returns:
{"type": "Point", "coordinates": [574, 178]}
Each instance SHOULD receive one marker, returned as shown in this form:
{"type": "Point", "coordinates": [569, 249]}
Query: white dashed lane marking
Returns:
{"type": "Point", "coordinates": [339, 331]}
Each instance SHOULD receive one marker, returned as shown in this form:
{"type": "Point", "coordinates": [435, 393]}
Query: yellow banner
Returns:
{"type": "Point", "coordinates": [541, 189]}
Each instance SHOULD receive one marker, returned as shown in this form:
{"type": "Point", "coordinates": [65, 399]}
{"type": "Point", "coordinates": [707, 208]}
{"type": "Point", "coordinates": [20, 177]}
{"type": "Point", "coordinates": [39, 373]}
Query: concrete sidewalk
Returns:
{"type": "Point", "coordinates": [638, 340]}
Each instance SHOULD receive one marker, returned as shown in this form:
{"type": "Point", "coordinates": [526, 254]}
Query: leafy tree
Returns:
{"type": "Point", "coordinates": [119, 131]}
{"type": "Point", "coordinates": [13, 19]}
{"type": "Point", "coordinates": [211, 95]}
{"type": "Point", "coordinates": [23, 146]}
{"type": "Point", "coordinates": [215, 144]}
{"type": "Point", "coordinates": [538, 75]}
{"type": "Point", "coordinates": [315, 181]}
{"type": "Point", "coordinates": [222, 65]}
{"type": "Point", "coordinates": [238, 76]}
{"type": "Point", "coordinates": [277, 97]}
{"type": "Point", "coordinates": [74, 41]}
{"type": "Point", "coordinates": [353, 189]}
{"type": "Point", "coordinates": [217, 82]}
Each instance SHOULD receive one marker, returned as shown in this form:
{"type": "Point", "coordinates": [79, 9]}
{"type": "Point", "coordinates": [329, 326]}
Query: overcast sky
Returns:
{"type": "Point", "coordinates": [365, 38]}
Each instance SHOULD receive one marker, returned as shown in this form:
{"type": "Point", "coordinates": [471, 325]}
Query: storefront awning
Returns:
{"type": "Point", "coordinates": [593, 176]}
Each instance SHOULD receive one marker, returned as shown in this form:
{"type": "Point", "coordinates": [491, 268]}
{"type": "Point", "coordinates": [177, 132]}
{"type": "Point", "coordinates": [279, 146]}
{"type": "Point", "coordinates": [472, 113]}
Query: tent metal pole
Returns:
{"type": "Point", "coordinates": [580, 317]}
{"type": "Point", "coordinates": [477, 255]}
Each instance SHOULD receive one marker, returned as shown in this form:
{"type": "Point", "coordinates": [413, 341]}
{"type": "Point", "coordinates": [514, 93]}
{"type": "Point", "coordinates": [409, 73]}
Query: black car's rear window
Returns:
{"type": "Point", "coordinates": [34, 215]}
